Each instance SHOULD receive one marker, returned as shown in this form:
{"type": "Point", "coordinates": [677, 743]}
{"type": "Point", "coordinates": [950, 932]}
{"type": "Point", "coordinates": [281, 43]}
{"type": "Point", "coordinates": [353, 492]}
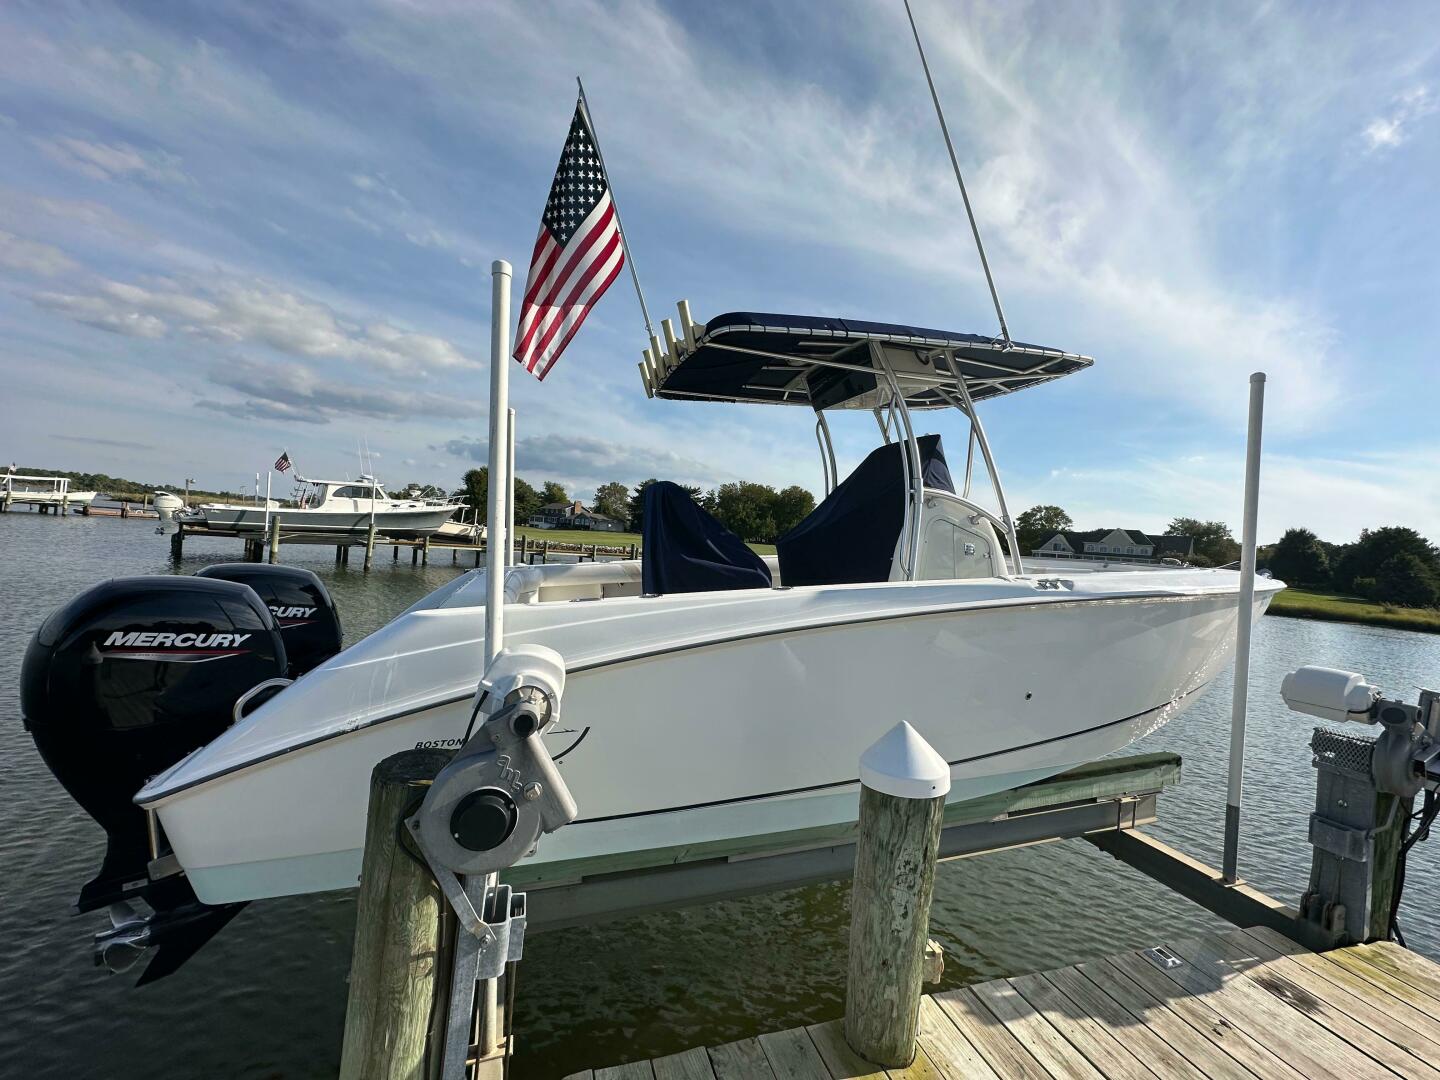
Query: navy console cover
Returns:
{"type": "Point", "coordinates": [851, 536]}
{"type": "Point", "coordinates": [687, 550]}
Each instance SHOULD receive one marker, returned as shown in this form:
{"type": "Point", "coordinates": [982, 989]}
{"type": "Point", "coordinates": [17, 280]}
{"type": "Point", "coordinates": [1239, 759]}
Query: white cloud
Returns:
{"type": "Point", "coordinates": [100, 313]}
{"type": "Point", "coordinates": [32, 257]}
{"type": "Point", "coordinates": [1394, 127]}
{"type": "Point", "coordinates": [1093, 214]}
{"type": "Point", "coordinates": [255, 311]}
{"type": "Point", "coordinates": [113, 161]}
{"type": "Point", "coordinates": [296, 392]}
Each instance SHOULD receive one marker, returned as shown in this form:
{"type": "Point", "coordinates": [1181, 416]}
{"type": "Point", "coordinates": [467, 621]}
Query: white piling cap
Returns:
{"type": "Point", "coordinates": [903, 764]}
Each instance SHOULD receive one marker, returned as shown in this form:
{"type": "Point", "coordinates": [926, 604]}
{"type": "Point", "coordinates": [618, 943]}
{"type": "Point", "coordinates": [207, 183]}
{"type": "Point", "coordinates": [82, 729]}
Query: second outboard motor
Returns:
{"type": "Point", "coordinates": [300, 603]}
{"type": "Point", "coordinates": [128, 678]}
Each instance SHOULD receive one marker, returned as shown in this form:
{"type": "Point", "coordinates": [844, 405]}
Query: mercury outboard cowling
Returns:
{"type": "Point", "coordinates": [300, 603]}
{"type": "Point", "coordinates": [128, 678]}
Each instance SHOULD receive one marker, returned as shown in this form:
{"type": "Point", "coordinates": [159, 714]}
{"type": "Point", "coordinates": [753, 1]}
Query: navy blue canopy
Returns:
{"type": "Point", "coordinates": [759, 357]}
{"type": "Point", "coordinates": [851, 536]}
{"type": "Point", "coordinates": [687, 550]}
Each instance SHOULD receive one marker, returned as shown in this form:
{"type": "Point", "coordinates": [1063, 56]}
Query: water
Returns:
{"type": "Point", "coordinates": [267, 997]}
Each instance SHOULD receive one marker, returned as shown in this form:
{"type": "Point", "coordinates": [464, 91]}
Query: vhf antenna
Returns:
{"type": "Point", "coordinates": [954, 161]}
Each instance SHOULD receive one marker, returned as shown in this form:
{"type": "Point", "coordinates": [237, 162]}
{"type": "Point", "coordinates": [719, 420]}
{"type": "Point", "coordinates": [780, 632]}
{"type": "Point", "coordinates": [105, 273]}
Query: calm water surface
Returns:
{"type": "Point", "coordinates": [267, 997]}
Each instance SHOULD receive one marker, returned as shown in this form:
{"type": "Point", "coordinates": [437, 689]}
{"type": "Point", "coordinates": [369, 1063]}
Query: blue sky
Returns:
{"type": "Point", "coordinates": [227, 231]}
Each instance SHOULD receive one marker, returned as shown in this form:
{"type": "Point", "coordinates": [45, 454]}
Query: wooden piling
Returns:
{"type": "Point", "coordinates": [902, 802]}
{"type": "Point", "coordinates": [425, 552]}
{"type": "Point", "coordinates": [396, 958]}
{"type": "Point", "coordinates": [395, 553]}
{"type": "Point", "coordinates": [177, 541]}
{"type": "Point", "coordinates": [274, 538]}
{"type": "Point", "coordinates": [370, 546]}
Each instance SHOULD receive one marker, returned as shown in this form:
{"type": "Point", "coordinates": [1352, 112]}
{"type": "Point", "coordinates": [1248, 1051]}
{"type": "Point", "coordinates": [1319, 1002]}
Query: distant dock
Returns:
{"type": "Point", "coordinates": [267, 547]}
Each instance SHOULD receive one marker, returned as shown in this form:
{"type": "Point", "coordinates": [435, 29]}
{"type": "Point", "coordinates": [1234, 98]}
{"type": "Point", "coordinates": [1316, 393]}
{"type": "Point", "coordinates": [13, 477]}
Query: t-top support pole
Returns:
{"type": "Point", "coordinates": [497, 510]}
{"type": "Point", "coordinates": [1245, 617]}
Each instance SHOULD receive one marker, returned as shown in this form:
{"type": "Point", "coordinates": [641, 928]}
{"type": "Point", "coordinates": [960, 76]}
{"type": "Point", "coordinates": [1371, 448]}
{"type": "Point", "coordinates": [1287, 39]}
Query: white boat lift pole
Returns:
{"type": "Point", "coordinates": [1246, 616]}
{"type": "Point", "coordinates": [498, 513]}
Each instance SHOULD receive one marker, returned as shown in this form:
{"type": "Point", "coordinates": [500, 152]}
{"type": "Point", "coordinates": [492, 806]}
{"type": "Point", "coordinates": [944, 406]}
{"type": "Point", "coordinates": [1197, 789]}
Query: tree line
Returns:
{"type": "Point", "coordinates": [757, 513]}
{"type": "Point", "coordinates": [1391, 565]}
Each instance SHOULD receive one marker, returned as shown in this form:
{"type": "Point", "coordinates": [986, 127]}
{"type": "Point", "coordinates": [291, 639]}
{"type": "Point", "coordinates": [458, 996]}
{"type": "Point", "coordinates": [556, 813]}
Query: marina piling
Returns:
{"type": "Point", "coordinates": [902, 802]}
{"type": "Point", "coordinates": [398, 933]}
{"type": "Point", "coordinates": [275, 539]}
{"type": "Point", "coordinates": [370, 545]}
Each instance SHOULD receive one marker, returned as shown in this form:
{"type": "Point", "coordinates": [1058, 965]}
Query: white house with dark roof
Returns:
{"type": "Point", "coordinates": [1130, 545]}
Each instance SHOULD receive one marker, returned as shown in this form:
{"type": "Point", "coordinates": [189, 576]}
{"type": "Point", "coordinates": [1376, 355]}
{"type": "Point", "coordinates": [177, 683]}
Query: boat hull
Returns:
{"type": "Point", "coordinates": [342, 523]}
{"type": "Point", "coordinates": [705, 737]}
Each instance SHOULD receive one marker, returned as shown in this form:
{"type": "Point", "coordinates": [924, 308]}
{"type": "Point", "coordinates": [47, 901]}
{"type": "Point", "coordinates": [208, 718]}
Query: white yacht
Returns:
{"type": "Point", "coordinates": [900, 597]}
{"type": "Point", "coordinates": [331, 508]}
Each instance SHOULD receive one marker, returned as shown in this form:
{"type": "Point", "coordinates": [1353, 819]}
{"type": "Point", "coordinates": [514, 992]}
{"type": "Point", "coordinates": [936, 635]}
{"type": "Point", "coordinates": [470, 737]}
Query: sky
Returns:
{"type": "Point", "coordinates": [231, 229]}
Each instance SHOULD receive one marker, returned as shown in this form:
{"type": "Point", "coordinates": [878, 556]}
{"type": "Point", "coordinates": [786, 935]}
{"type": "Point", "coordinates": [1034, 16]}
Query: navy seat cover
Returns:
{"type": "Point", "coordinates": [851, 536]}
{"type": "Point", "coordinates": [687, 550]}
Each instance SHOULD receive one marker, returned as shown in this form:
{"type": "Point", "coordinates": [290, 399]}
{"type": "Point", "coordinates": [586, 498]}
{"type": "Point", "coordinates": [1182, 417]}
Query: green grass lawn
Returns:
{"type": "Point", "coordinates": [1308, 604]}
{"type": "Point", "coordinates": [604, 539]}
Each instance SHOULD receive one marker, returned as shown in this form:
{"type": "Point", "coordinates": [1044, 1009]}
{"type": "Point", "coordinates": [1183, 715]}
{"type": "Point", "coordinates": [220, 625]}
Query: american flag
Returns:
{"type": "Point", "coordinates": [282, 462]}
{"type": "Point", "coordinates": [577, 255]}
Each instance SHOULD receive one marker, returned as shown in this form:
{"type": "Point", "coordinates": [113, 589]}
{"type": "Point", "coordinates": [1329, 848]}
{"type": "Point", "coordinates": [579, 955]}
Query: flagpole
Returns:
{"type": "Point", "coordinates": [620, 224]}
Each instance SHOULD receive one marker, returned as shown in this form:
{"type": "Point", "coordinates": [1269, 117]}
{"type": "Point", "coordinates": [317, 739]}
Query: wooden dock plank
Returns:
{"type": "Point", "coordinates": [1353, 1019]}
{"type": "Point", "coordinates": [584, 1074]}
{"type": "Point", "coordinates": [742, 1060]}
{"type": "Point", "coordinates": [1216, 1028]}
{"type": "Point", "coordinates": [1204, 1048]}
{"type": "Point", "coordinates": [948, 1050]}
{"type": "Point", "coordinates": [1001, 1050]}
{"type": "Point", "coordinates": [1307, 1045]}
{"type": "Point", "coordinates": [793, 1056]}
{"type": "Point", "coordinates": [1332, 968]}
{"type": "Point", "coordinates": [1403, 965]}
{"type": "Point", "coordinates": [1403, 1025]}
{"type": "Point", "coordinates": [634, 1070]}
{"type": "Point", "coordinates": [1369, 973]}
{"type": "Point", "coordinates": [1129, 1031]}
{"type": "Point", "coordinates": [845, 1064]}
{"type": "Point", "coordinates": [1021, 1019]}
{"type": "Point", "coordinates": [693, 1064]}
{"type": "Point", "coordinates": [1080, 1029]}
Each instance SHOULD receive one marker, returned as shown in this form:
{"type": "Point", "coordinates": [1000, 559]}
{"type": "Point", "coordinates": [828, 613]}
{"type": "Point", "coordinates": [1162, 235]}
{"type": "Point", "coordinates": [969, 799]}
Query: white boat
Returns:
{"type": "Point", "coordinates": [42, 491]}
{"type": "Point", "coordinates": [326, 508]}
{"type": "Point", "coordinates": [896, 599]}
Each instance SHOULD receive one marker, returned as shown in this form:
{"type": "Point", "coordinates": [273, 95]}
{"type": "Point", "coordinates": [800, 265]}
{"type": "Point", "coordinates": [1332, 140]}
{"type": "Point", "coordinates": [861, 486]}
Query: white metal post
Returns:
{"type": "Point", "coordinates": [1243, 622]}
{"type": "Point", "coordinates": [498, 512]}
{"type": "Point", "coordinates": [267, 500]}
{"type": "Point", "coordinates": [510, 480]}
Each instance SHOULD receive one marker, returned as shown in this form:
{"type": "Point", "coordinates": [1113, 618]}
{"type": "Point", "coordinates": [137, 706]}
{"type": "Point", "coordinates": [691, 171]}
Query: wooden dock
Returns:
{"type": "Point", "coordinates": [1240, 1004]}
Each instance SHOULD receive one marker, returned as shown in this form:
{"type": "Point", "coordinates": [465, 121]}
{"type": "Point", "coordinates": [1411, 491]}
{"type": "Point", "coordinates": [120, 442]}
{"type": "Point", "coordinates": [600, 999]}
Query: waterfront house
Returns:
{"type": "Point", "coordinates": [1129, 545]}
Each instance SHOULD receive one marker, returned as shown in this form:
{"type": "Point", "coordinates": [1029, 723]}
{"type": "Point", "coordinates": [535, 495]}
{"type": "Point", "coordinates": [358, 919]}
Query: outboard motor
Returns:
{"type": "Point", "coordinates": [300, 603]}
{"type": "Point", "coordinates": [119, 684]}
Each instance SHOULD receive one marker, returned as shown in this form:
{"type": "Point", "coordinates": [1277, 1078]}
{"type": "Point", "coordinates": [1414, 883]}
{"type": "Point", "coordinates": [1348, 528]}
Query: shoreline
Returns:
{"type": "Point", "coordinates": [1333, 607]}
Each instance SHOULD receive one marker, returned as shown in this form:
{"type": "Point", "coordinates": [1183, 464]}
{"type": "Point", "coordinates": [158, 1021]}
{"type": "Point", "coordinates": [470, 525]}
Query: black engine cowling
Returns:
{"type": "Point", "coordinates": [300, 603]}
{"type": "Point", "coordinates": [128, 678]}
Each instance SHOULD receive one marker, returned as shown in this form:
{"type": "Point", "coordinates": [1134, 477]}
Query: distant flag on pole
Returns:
{"type": "Point", "coordinates": [578, 253]}
{"type": "Point", "coordinates": [282, 463]}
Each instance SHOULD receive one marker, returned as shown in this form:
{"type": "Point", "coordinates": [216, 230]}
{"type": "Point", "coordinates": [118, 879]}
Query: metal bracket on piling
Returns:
{"type": "Point", "coordinates": [485, 811]}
